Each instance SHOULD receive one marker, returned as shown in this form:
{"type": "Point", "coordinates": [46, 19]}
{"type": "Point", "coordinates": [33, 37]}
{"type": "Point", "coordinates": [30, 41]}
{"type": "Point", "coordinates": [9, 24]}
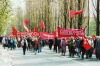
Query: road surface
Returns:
{"type": "Point", "coordinates": [46, 58]}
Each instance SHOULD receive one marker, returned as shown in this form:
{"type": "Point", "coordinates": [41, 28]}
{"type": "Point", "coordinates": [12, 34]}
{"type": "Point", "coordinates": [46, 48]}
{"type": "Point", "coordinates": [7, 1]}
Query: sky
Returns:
{"type": "Point", "coordinates": [92, 10]}
{"type": "Point", "coordinates": [18, 3]}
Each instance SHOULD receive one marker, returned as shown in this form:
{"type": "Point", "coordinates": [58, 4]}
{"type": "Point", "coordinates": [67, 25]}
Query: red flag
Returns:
{"type": "Point", "coordinates": [74, 13]}
{"type": "Point", "coordinates": [36, 30]}
{"type": "Point", "coordinates": [86, 44]}
{"type": "Point", "coordinates": [79, 12]}
{"type": "Point", "coordinates": [14, 31]}
{"type": "Point", "coordinates": [26, 22]}
{"type": "Point", "coordinates": [42, 25]}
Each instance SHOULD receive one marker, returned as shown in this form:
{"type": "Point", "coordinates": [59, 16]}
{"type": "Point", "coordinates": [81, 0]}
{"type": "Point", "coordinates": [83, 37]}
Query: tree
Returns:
{"type": "Point", "coordinates": [97, 15]}
{"type": "Point", "coordinates": [98, 19]}
{"type": "Point", "coordinates": [4, 14]}
{"type": "Point", "coordinates": [54, 13]}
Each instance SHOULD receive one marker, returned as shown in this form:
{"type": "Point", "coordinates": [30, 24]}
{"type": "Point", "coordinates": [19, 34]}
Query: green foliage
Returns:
{"type": "Point", "coordinates": [92, 27]}
{"type": "Point", "coordinates": [4, 14]}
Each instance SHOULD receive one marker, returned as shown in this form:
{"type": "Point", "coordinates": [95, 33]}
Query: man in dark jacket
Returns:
{"type": "Point", "coordinates": [97, 48]}
{"type": "Point", "coordinates": [56, 45]}
{"type": "Point", "coordinates": [29, 43]}
{"type": "Point", "coordinates": [71, 47]}
{"type": "Point", "coordinates": [50, 43]}
{"type": "Point", "coordinates": [82, 49]}
{"type": "Point", "coordinates": [95, 40]}
{"type": "Point", "coordinates": [78, 42]}
{"type": "Point", "coordinates": [24, 46]}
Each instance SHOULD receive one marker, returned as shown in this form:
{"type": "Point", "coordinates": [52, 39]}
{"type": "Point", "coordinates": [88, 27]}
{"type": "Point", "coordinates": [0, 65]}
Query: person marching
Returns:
{"type": "Point", "coordinates": [63, 47]}
{"type": "Point", "coordinates": [50, 43]}
{"type": "Point", "coordinates": [97, 49]}
{"type": "Point", "coordinates": [35, 46]}
{"type": "Point", "coordinates": [24, 45]}
{"type": "Point", "coordinates": [71, 45]}
{"type": "Point", "coordinates": [39, 45]}
{"type": "Point", "coordinates": [78, 44]}
{"type": "Point", "coordinates": [4, 42]}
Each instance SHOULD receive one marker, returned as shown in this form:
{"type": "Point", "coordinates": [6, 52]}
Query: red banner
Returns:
{"type": "Point", "coordinates": [45, 35]}
{"type": "Point", "coordinates": [70, 32]}
{"type": "Point", "coordinates": [27, 34]}
{"type": "Point", "coordinates": [35, 34]}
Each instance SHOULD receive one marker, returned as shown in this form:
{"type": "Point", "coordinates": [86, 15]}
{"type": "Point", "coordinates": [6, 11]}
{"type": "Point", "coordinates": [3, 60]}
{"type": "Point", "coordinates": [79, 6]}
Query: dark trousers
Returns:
{"type": "Point", "coordinates": [24, 50]}
{"type": "Point", "coordinates": [71, 51]}
{"type": "Point", "coordinates": [98, 55]}
{"type": "Point", "coordinates": [50, 46]}
{"type": "Point", "coordinates": [55, 48]}
{"type": "Point", "coordinates": [69, 48]}
{"type": "Point", "coordinates": [83, 53]}
{"type": "Point", "coordinates": [89, 53]}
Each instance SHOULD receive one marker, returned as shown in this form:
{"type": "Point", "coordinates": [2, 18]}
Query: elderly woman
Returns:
{"type": "Point", "coordinates": [63, 46]}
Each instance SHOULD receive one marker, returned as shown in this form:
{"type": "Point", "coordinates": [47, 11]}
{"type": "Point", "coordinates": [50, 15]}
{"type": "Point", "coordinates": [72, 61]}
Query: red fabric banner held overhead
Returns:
{"type": "Point", "coordinates": [47, 36]}
{"type": "Point", "coordinates": [62, 32]}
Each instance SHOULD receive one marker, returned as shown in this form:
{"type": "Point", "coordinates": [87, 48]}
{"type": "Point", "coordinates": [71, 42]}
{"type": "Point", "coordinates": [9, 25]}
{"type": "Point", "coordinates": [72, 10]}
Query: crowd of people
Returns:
{"type": "Point", "coordinates": [74, 45]}
{"type": "Point", "coordinates": [27, 43]}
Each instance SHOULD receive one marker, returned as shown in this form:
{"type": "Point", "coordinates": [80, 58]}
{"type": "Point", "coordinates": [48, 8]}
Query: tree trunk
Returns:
{"type": "Point", "coordinates": [80, 16]}
{"type": "Point", "coordinates": [97, 23]}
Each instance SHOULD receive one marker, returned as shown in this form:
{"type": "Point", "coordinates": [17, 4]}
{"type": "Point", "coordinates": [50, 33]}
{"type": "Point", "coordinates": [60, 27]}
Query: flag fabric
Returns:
{"type": "Point", "coordinates": [42, 25]}
{"type": "Point", "coordinates": [86, 44]}
{"type": "Point", "coordinates": [36, 30]}
{"type": "Point", "coordinates": [14, 31]}
{"type": "Point", "coordinates": [74, 13]}
{"type": "Point", "coordinates": [26, 22]}
{"type": "Point", "coordinates": [79, 12]}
